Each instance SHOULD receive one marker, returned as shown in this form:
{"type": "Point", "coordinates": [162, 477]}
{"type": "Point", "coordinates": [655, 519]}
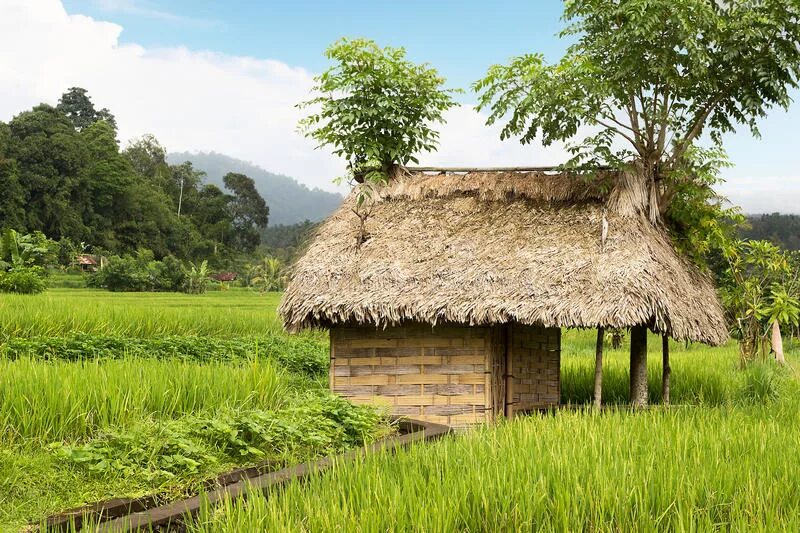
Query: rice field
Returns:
{"type": "Point", "coordinates": [113, 394]}
{"type": "Point", "coordinates": [124, 394]}
{"type": "Point", "coordinates": [724, 458]}
{"type": "Point", "coordinates": [60, 312]}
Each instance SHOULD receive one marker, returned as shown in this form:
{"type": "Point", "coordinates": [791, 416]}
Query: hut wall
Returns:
{"type": "Point", "coordinates": [536, 362]}
{"type": "Point", "coordinates": [442, 374]}
{"type": "Point", "coordinates": [451, 374]}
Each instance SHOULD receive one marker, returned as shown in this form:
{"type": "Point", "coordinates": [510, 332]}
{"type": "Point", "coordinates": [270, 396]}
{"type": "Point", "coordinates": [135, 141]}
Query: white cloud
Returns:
{"type": "Point", "coordinates": [768, 194]}
{"type": "Point", "coordinates": [197, 100]}
{"type": "Point", "coordinates": [240, 106]}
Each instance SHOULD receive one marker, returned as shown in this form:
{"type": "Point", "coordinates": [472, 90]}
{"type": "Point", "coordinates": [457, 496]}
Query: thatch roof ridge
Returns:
{"type": "Point", "coordinates": [484, 247]}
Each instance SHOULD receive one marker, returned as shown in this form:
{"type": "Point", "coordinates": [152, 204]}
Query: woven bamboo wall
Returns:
{"type": "Point", "coordinates": [449, 374]}
{"type": "Point", "coordinates": [536, 361]}
{"type": "Point", "coordinates": [440, 374]}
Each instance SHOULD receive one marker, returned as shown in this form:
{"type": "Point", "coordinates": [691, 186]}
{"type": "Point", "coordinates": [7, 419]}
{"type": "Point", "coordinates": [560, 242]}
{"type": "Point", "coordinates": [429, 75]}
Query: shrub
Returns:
{"type": "Point", "coordinates": [23, 280]}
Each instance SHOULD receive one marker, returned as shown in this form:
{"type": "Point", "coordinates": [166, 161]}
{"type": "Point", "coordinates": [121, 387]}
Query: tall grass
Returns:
{"type": "Point", "coordinates": [62, 312]}
{"type": "Point", "coordinates": [57, 400]}
{"type": "Point", "coordinates": [672, 470]}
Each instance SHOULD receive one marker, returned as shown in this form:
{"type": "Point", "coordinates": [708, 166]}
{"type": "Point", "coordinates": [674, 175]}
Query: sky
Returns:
{"type": "Point", "coordinates": [225, 77]}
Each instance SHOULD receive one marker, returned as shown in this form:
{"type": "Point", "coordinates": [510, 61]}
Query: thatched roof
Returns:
{"type": "Point", "coordinates": [495, 247]}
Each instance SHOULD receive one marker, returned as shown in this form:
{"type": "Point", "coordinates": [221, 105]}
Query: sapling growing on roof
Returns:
{"type": "Point", "coordinates": [377, 110]}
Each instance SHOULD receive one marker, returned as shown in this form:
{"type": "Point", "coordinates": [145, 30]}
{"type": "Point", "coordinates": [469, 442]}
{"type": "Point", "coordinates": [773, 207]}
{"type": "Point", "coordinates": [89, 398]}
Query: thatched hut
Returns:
{"type": "Point", "coordinates": [448, 303]}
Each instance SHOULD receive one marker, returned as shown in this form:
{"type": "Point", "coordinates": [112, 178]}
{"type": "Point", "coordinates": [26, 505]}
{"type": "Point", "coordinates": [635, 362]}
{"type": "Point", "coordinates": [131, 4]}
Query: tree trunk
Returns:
{"type": "Point", "coordinates": [598, 369]}
{"type": "Point", "coordinates": [639, 366]}
{"type": "Point", "coordinates": [777, 343]}
{"type": "Point", "coordinates": [667, 371]}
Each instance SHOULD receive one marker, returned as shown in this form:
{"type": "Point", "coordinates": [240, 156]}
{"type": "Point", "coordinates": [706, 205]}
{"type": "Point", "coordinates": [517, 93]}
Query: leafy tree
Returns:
{"type": "Point", "coordinates": [50, 158]}
{"type": "Point", "coordinates": [149, 159]}
{"type": "Point", "coordinates": [375, 108]}
{"type": "Point", "coordinates": [268, 275]}
{"type": "Point", "coordinates": [760, 290]}
{"type": "Point", "coordinates": [12, 203]}
{"type": "Point", "coordinates": [640, 84]}
{"type": "Point", "coordinates": [78, 107]}
{"type": "Point", "coordinates": [248, 210]}
{"type": "Point", "coordinates": [648, 78]}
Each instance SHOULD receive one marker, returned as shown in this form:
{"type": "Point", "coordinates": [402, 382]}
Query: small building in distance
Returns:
{"type": "Point", "coordinates": [447, 304]}
{"type": "Point", "coordinates": [86, 263]}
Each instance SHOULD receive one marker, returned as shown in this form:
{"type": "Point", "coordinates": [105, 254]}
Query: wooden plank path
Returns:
{"type": "Point", "coordinates": [145, 513]}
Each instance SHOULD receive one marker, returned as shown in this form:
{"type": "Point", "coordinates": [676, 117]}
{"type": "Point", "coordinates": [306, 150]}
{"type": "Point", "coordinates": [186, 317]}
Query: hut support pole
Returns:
{"type": "Point", "coordinates": [639, 366]}
{"type": "Point", "coordinates": [598, 369]}
{"type": "Point", "coordinates": [667, 370]}
{"type": "Point", "coordinates": [509, 373]}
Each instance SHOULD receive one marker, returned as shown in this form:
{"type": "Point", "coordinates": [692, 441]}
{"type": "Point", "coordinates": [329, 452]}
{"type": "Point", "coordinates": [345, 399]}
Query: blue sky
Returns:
{"type": "Point", "coordinates": [225, 76]}
{"type": "Point", "coordinates": [460, 38]}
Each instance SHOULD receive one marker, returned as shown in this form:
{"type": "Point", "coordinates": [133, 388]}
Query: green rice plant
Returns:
{"type": "Point", "coordinates": [301, 354]}
{"type": "Point", "coordinates": [683, 469]}
{"type": "Point", "coordinates": [58, 400]}
{"type": "Point", "coordinates": [62, 312]}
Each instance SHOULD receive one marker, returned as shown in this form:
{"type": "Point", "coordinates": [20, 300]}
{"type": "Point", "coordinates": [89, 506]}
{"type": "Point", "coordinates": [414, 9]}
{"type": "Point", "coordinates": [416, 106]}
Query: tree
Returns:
{"type": "Point", "coordinates": [248, 210]}
{"type": "Point", "coordinates": [12, 201]}
{"type": "Point", "coordinates": [646, 79]}
{"type": "Point", "coordinates": [374, 107]}
{"type": "Point", "coordinates": [149, 159]}
{"type": "Point", "coordinates": [78, 107]}
{"type": "Point", "coordinates": [760, 291]}
{"type": "Point", "coordinates": [653, 75]}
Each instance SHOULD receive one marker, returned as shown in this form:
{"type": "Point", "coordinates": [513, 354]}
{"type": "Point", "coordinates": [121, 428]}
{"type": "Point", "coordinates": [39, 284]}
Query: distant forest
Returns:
{"type": "Point", "coordinates": [62, 173]}
{"type": "Point", "coordinates": [782, 230]}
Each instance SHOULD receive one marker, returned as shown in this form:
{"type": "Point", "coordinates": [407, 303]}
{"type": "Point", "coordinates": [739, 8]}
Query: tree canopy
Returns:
{"type": "Point", "coordinates": [645, 79]}
{"type": "Point", "coordinates": [375, 108]}
{"type": "Point", "coordinates": [62, 173]}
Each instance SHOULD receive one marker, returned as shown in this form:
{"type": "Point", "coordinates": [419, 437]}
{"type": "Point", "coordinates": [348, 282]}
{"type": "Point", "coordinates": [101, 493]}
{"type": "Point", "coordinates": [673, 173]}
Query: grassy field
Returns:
{"type": "Point", "coordinates": [723, 458]}
{"type": "Point", "coordinates": [60, 312]}
{"type": "Point", "coordinates": [110, 395]}
{"type": "Point", "coordinates": [114, 394]}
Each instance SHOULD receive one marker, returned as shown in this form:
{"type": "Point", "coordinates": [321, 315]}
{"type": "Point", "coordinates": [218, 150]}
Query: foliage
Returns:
{"type": "Point", "coordinates": [760, 286]}
{"type": "Point", "coordinates": [323, 424]}
{"type": "Point", "coordinates": [197, 278]}
{"type": "Point", "coordinates": [248, 210]}
{"type": "Point", "coordinates": [297, 354]}
{"type": "Point", "coordinates": [375, 108]}
{"type": "Point", "coordinates": [78, 107]}
{"type": "Point", "coordinates": [647, 78]}
{"type": "Point", "coordinates": [62, 173]}
{"type": "Point", "coordinates": [143, 273]}
{"type": "Point", "coordinates": [24, 250]}
{"type": "Point", "coordinates": [268, 275]}
{"type": "Point", "coordinates": [781, 230]}
{"type": "Point", "coordinates": [23, 280]}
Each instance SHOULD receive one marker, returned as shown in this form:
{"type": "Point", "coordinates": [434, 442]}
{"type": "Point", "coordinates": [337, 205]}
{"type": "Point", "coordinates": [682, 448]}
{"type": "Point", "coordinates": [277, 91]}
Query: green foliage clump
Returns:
{"type": "Point", "coordinates": [298, 354]}
{"type": "Point", "coordinates": [142, 273]}
{"type": "Point", "coordinates": [322, 424]}
{"type": "Point", "coordinates": [375, 107]}
{"type": "Point", "coordinates": [23, 280]}
{"type": "Point", "coordinates": [760, 286]}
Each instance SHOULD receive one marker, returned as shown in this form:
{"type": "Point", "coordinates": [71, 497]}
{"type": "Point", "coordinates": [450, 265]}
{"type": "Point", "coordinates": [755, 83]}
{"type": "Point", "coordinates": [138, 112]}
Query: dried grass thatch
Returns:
{"type": "Point", "coordinates": [496, 247]}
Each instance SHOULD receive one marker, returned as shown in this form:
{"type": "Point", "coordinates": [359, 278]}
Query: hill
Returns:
{"type": "Point", "coordinates": [289, 202]}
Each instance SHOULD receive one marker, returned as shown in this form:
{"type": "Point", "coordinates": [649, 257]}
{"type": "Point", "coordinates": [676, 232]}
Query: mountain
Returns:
{"type": "Point", "coordinates": [289, 201]}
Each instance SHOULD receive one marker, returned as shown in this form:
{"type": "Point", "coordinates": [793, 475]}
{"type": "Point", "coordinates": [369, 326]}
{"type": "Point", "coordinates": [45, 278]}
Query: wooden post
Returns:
{"type": "Point", "coordinates": [509, 374]}
{"type": "Point", "coordinates": [639, 366]}
{"type": "Point", "coordinates": [667, 371]}
{"type": "Point", "coordinates": [598, 369]}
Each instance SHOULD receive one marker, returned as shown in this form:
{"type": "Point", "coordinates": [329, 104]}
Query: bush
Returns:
{"type": "Point", "coordinates": [297, 354]}
{"type": "Point", "coordinates": [139, 274]}
{"type": "Point", "coordinates": [23, 280]}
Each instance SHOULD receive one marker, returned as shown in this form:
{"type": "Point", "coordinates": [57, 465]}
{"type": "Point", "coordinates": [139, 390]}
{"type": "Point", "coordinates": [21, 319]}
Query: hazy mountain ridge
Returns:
{"type": "Point", "coordinates": [289, 201]}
